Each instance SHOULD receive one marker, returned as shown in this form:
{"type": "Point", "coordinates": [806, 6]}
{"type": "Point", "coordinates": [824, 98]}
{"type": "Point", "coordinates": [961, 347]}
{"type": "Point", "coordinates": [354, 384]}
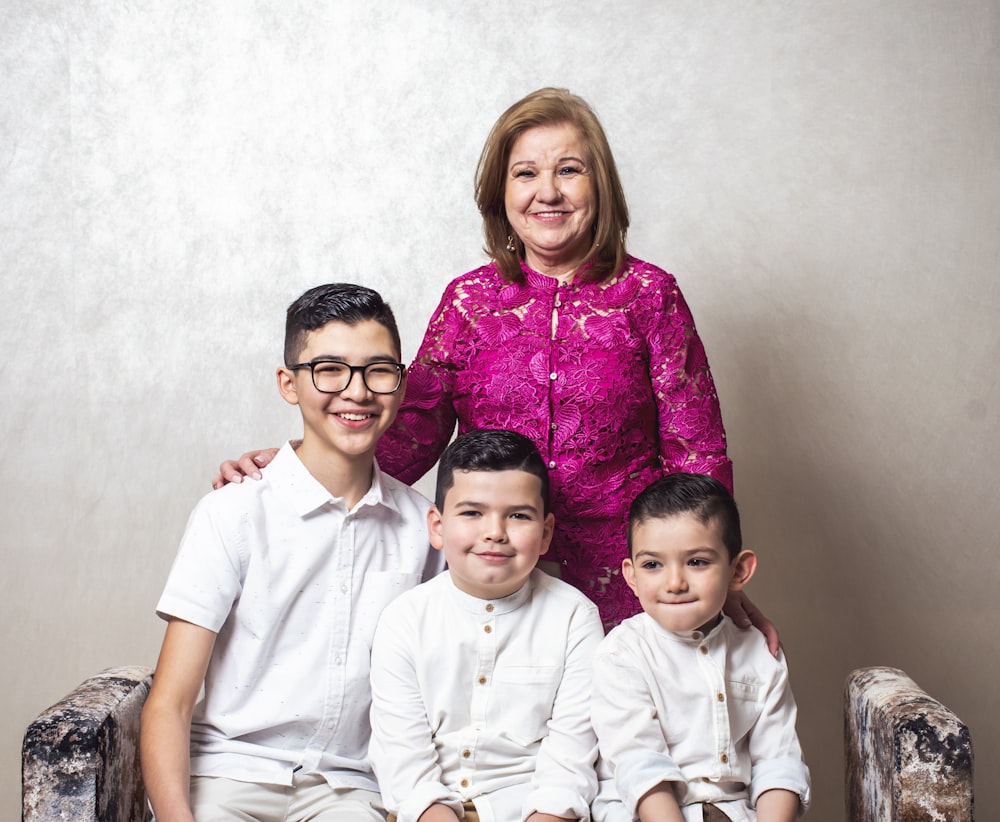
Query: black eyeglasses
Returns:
{"type": "Point", "coordinates": [333, 376]}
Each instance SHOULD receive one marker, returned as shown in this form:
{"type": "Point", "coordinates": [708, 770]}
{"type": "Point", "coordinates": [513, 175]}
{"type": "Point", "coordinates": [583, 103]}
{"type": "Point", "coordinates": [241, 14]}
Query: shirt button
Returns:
{"type": "Point", "coordinates": [696, 635]}
{"type": "Point", "coordinates": [721, 697]}
{"type": "Point", "coordinates": [553, 376]}
{"type": "Point", "coordinates": [465, 783]}
{"type": "Point", "coordinates": [724, 758]}
{"type": "Point", "coordinates": [703, 649]}
{"type": "Point", "coordinates": [552, 464]}
{"type": "Point", "coordinates": [488, 629]}
{"type": "Point", "coordinates": [337, 661]}
{"type": "Point", "coordinates": [343, 589]}
{"type": "Point", "coordinates": [466, 753]}
{"type": "Point", "coordinates": [482, 680]}
{"type": "Point", "coordinates": [489, 608]}
{"type": "Point", "coordinates": [554, 426]}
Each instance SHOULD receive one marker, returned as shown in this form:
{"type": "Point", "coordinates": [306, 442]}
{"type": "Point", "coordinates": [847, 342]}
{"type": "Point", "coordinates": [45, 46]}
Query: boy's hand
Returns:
{"type": "Point", "coordinates": [546, 817]}
{"type": "Point", "coordinates": [248, 465]}
{"type": "Point", "coordinates": [744, 613]}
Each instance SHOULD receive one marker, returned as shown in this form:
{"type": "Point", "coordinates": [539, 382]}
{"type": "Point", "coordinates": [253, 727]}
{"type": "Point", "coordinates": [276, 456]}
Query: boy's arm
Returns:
{"type": "Point", "coordinates": [660, 805]}
{"type": "Point", "coordinates": [775, 754]}
{"type": "Point", "coordinates": [565, 783]}
{"type": "Point", "coordinates": [777, 806]}
{"type": "Point", "coordinates": [402, 750]}
{"type": "Point", "coordinates": [165, 733]}
{"type": "Point", "coordinates": [628, 731]}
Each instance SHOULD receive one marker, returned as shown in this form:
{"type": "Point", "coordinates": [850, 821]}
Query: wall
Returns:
{"type": "Point", "coordinates": [822, 177]}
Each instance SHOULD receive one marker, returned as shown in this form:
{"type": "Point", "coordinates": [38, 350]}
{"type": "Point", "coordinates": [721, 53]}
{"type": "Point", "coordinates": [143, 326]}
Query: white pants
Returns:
{"type": "Point", "coordinates": [215, 799]}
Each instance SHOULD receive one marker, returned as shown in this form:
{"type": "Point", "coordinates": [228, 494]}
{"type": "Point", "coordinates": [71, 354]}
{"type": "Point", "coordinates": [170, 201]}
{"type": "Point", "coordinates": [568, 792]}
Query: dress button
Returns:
{"type": "Point", "coordinates": [488, 629]}
{"type": "Point", "coordinates": [466, 753]}
{"type": "Point", "coordinates": [465, 783]}
{"type": "Point", "coordinates": [482, 680]}
{"type": "Point", "coordinates": [703, 649]}
{"type": "Point", "coordinates": [552, 464]}
{"type": "Point", "coordinates": [724, 758]}
{"type": "Point", "coordinates": [489, 608]}
{"type": "Point", "coordinates": [721, 697]}
{"type": "Point", "coordinates": [554, 426]}
{"type": "Point", "coordinates": [553, 376]}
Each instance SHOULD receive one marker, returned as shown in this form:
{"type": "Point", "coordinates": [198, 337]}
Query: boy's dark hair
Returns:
{"type": "Point", "coordinates": [490, 450]}
{"type": "Point", "coordinates": [344, 302]}
{"type": "Point", "coordinates": [707, 499]}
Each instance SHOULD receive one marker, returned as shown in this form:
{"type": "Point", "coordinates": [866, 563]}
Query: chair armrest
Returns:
{"type": "Point", "coordinates": [908, 756]}
{"type": "Point", "coordinates": [80, 758]}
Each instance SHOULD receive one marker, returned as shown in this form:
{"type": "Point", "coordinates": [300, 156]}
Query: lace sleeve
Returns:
{"type": "Point", "coordinates": [692, 437]}
{"type": "Point", "coordinates": [426, 419]}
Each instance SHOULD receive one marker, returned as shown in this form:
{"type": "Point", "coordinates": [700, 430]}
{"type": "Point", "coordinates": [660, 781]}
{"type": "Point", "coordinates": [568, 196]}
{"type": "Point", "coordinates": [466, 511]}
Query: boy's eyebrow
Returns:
{"type": "Point", "coordinates": [688, 552]}
{"type": "Point", "coordinates": [337, 358]}
{"type": "Point", "coordinates": [474, 503]}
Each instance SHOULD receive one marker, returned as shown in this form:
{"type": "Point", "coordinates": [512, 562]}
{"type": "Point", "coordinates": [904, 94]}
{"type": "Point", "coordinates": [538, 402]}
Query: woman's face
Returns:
{"type": "Point", "coordinates": [550, 198]}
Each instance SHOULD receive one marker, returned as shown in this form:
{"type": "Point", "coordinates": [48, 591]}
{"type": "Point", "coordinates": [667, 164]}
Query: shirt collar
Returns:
{"type": "Point", "coordinates": [693, 638]}
{"type": "Point", "coordinates": [493, 607]}
{"type": "Point", "coordinates": [292, 480]}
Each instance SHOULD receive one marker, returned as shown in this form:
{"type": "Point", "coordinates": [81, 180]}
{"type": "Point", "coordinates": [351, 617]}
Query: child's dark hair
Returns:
{"type": "Point", "coordinates": [490, 450]}
{"type": "Point", "coordinates": [344, 302]}
{"type": "Point", "coordinates": [707, 499]}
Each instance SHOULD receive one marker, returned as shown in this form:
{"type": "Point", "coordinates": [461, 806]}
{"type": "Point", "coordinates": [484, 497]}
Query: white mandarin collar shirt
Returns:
{"type": "Point", "coordinates": [713, 713]}
{"type": "Point", "coordinates": [485, 700]}
{"type": "Point", "coordinates": [293, 583]}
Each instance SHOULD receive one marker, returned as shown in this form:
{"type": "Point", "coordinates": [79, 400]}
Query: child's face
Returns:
{"type": "Point", "coordinates": [492, 530]}
{"type": "Point", "coordinates": [350, 423]}
{"type": "Point", "coordinates": [681, 571]}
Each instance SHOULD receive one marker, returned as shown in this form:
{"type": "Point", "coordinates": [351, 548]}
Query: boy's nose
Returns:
{"type": "Point", "coordinates": [356, 386]}
{"type": "Point", "coordinates": [676, 582]}
{"type": "Point", "coordinates": [495, 530]}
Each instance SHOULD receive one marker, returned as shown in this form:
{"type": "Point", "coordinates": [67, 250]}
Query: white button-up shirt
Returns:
{"type": "Point", "coordinates": [713, 714]}
{"type": "Point", "coordinates": [486, 700]}
{"type": "Point", "coordinates": [293, 583]}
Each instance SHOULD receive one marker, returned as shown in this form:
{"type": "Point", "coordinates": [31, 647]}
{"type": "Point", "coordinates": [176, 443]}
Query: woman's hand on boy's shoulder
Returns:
{"type": "Point", "coordinates": [745, 614]}
{"type": "Point", "coordinates": [248, 465]}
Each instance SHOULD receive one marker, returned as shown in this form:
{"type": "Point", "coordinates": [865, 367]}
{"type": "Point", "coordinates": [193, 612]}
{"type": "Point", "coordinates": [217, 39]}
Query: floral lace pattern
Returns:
{"type": "Point", "coordinates": [610, 381]}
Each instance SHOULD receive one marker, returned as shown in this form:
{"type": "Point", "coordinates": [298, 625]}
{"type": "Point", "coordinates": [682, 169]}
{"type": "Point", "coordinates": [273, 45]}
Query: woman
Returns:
{"type": "Point", "coordinates": [563, 337]}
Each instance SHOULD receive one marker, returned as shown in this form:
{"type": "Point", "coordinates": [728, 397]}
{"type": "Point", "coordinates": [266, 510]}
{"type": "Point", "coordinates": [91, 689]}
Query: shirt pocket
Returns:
{"type": "Point", "coordinates": [378, 590]}
{"type": "Point", "coordinates": [746, 701]}
{"type": "Point", "coordinates": [528, 694]}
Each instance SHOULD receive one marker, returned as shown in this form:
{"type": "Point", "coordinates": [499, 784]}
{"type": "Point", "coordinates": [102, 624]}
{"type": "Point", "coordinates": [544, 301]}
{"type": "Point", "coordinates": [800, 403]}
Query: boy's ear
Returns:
{"type": "Point", "coordinates": [547, 528]}
{"type": "Point", "coordinates": [434, 527]}
{"type": "Point", "coordinates": [286, 385]}
{"type": "Point", "coordinates": [744, 567]}
{"type": "Point", "coordinates": [628, 571]}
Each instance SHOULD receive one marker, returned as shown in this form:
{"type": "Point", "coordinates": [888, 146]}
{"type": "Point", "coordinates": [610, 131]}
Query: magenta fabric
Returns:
{"type": "Point", "coordinates": [609, 379]}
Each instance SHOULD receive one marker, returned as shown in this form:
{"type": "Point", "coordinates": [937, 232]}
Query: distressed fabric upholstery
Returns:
{"type": "Point", "coordinates": [909, 758]}
{"type": "Point", "coordinates": [80, 758]}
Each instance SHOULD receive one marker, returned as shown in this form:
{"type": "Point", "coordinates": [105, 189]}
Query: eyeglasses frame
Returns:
{"type": "Point", "coordinates": [354, 369]}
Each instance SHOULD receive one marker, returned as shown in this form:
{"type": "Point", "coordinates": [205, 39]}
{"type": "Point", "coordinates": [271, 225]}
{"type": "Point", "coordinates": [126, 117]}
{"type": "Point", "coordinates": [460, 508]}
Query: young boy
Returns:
{"type": "Point", "coordinates": [276, 590]}
{"type": "Point", "coordinates": [481, 677]}
{"type": "Point", "coordinates": [693, 715]}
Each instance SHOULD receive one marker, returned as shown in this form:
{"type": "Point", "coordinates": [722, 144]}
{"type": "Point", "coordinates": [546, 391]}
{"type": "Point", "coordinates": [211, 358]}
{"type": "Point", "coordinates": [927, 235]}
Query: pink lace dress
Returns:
{"type": "Point", "coordinates": [609, 379]}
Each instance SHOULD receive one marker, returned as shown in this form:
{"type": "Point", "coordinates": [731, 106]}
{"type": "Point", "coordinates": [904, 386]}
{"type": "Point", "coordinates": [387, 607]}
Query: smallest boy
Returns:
{"type": "Point", "coordinates": [481, 677]}
{"type": "Point", "coordinates": [694, 716]}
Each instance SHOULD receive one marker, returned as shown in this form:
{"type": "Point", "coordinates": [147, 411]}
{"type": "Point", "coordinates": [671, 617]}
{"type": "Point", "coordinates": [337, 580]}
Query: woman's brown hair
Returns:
{"type": "Point", "coordinates": [547, 107]}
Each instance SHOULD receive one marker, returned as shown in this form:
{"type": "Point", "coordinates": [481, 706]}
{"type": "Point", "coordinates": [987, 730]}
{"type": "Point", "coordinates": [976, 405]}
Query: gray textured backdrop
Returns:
{"type": "Point", "coordinates": [822, 177]}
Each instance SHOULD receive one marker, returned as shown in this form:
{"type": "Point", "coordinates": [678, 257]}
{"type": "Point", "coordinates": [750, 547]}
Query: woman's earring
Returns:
{"type": "Point", "coordinates": [510, 243]}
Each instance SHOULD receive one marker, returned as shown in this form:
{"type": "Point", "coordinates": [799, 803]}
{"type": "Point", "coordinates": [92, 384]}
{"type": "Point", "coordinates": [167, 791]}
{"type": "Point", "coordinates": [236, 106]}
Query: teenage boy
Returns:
{"type": "Point", "coordinates": [481, 677]}
{"type": "Point", "coordinates": [276, 590]}
{"type": "Point", "coordinates": [694, 716]}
